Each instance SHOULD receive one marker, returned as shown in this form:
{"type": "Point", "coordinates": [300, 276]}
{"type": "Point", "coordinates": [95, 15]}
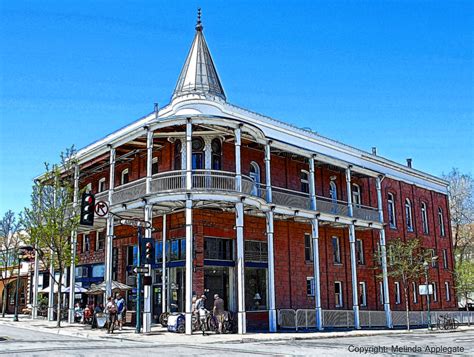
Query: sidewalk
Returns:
{"type": "Point", "coordinates": [162, 336]}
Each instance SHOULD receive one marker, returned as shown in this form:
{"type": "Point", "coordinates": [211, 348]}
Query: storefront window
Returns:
{"type": "Point", "coordinates": [177, 249]}
{"type": "Point", "coordinates": [255, 289]}
{"type": "Point", "coordinates": [158, 252]}
{"type": "Point", "coordinates": [98, 271]}
{"type": "Point", "coordinates": [218, 249]}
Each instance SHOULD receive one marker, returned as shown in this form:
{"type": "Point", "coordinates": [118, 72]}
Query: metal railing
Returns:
{"type": "Point", "coordinates": [129, 191]}
{"type": "Point", "coordinates": [306, 318]}
{"type": "Point", "coordinates": [285, 197]}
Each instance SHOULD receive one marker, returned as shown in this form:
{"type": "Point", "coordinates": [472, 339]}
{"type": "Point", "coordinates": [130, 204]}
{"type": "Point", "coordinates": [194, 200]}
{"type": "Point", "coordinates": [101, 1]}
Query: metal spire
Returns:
{"type": "Point", "coordinates": [199, 75]}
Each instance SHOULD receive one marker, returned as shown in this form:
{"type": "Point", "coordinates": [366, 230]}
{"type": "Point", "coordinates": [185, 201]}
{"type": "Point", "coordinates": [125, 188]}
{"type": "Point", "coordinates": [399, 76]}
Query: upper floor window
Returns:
{"type": "Point", "coordinates": [101, 186]}
{"type": "Point", "coordinates": [308, 247]}
{"type": "Point", "coordinates": [435, 291]}
{"type": "Point", "coordinates": [124, 177]}
{"type": "Point", "coordinates": [88, 187]}
{"type": "Point", "coordinates": [415, 293]}
{"type": "Point", "coordinates": [445, 258]}
{"type": "Point", "coordinates": [216, 147]}
{"type": "Point", "coordinates": [177, 155]}
{"type": "Point", "coordinates": [255, 176]}
{"type": "Point", "coordinates": [219, 249]}
{"type": "Point", "coordinates": [434, 263]}
{"type": "Point", "coordinates": [448, 294]}
{"type": "Point", "coordinates": [356, 199]}
{"type": "Point", "coordinates": [333, 191]}
{"type": "Point", "coordinates": [391, 210]}
{"type": "Point", "coordinates": [441, 222]}
{"type": "Point", "coordinates": [360, 251]}
{"type": "Point", "coordinates": [424, 217]}
{"type": "Point", "coordinates": [304, 175]}
{"type": "Point", "coordinates": [336, 250]}
{"type": "Point", "coordinates": [154, 166]}
{"type": "Point", "coordinates": [310, 286]}
{"type": "Point", "coordinates": [256, 251]}
{"type": "Point", "coordinates": [408, 215]}
{"type": "Point", "coordinates": [85, 243]}
{"type": "Point", "coordinates": [100, 240]}
{"type": "Point", "coordinates": [198, 154]}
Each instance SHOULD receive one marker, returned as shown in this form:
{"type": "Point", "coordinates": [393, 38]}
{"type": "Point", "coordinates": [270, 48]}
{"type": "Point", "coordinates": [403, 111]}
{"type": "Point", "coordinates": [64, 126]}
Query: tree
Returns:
{"type": "Point", "coordinates": [464, 275]}
{"type": "Point", "coordinates": [10, 240]}
{"type": "Point", "coordinates": [461, 202]}
{"type": "Point", "coordinates": [51, 219]}
{"type": "Point", "coordinates": [404, 263]}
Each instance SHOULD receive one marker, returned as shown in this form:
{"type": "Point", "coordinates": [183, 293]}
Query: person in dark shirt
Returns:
{"type": "Point", "coordinates": [219, 312]}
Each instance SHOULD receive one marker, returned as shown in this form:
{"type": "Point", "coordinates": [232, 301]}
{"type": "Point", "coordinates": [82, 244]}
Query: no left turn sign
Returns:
{"type": "Point", "coordinates": [101, 208]}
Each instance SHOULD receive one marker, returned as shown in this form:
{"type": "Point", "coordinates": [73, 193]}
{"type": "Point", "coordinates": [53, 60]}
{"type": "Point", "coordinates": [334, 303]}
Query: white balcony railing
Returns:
{"type": "Point", "coordinates": [224, 181]}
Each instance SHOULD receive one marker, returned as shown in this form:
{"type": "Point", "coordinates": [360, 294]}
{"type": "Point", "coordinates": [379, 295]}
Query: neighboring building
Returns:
{"type": "Point", "coordinates": [245, 199]}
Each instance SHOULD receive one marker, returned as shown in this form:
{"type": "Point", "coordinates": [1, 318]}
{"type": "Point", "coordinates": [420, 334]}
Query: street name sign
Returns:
{"type": "Point", "coordinates": [141, 270]}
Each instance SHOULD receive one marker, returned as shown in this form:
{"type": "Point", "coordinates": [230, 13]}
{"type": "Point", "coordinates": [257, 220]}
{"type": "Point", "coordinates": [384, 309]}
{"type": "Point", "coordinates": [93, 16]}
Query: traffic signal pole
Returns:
{"type": "Point", "coordinates": [139, 281]}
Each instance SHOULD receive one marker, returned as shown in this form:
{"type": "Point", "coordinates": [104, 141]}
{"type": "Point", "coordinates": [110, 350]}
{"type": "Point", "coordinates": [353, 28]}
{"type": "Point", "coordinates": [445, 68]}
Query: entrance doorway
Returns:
{"type": "Point", "coordinates": [217, 280]}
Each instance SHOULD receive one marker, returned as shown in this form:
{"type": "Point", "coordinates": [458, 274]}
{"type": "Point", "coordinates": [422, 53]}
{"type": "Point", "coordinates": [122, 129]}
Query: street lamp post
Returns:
{"type": "Point", "coordinates": [426, 266]}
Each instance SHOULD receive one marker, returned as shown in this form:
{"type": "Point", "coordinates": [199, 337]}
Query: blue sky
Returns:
{"type": "Point", "coordinates": [397, 75]}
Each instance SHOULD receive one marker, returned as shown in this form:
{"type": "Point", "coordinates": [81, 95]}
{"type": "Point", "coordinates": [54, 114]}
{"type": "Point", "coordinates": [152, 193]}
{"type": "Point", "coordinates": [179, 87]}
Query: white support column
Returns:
{"type": "Point", "coordinates": [147, 288]}
{"type": "Point", "coordinates": [163, 267]}
{"type": "Point", "coordinates": [189, 230]}
{"type": "Point", "coordinates": [149, 160]}
{"type": "Point", "coordinates": [72, 281]}
{"type": "Point", "coordinates": [189, 266]}
{"type": "Point", "coordinates": [316, 273]}
{"type": "Point", "coordinates": [34, 311]}
{"type": "Point", "coordinates": [110, 230]}
{"type": "Point", "coordinates": [383, 251]}
{"type": "Point", "coordinates": [268, 174]}
{"type": "Point", "coordinates": [352, 243]}
{"type": "Point", "coordinates": [239, 223]}
{"type": "Point", "coordinates": [238, 164]}
{"type": "Point", "coordinates": [312, 188]}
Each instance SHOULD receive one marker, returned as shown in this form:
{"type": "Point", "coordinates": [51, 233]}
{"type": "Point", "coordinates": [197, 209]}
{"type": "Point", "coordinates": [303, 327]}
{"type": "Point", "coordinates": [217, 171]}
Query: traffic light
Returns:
{"type": "Point", "coordinates": [87, 209]}
{"type": "Point", "coordinates": [148, 250]}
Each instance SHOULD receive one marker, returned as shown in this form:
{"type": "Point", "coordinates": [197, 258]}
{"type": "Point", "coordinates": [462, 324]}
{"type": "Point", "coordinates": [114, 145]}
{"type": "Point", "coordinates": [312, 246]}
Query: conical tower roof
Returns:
{"type": "Point", "coordinates": [199, 75]}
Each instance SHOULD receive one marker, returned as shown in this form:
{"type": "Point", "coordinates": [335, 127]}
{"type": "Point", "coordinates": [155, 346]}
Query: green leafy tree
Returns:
{"type": "Point", "coordinates": [404, 264]}
{"type": "Point", "coordinates": [464, 275]}
{"type": "Point", "coordinates": [50, 219]}
{"type": "Point", "coordinates": [10, 240]}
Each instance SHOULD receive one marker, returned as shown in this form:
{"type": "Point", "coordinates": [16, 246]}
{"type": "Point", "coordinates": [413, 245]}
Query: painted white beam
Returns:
{"type": "Point", "coordinates": [72, 281]}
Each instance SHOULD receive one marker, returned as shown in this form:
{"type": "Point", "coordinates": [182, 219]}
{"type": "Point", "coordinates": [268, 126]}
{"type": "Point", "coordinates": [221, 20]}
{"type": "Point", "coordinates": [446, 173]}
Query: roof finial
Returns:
{"type": "Point", "coordinates": [199, 24]}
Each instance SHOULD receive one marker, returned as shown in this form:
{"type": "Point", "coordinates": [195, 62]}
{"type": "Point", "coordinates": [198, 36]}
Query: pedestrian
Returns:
{"type": "Point", "coordinates": [219, 312]}
{"type": "Point", "coordinates": [120, 303]}
{"type": "Point", "coordinates": [111, 311]}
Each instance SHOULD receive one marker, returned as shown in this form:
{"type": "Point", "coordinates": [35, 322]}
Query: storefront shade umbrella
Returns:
{"type": "Point", "coordinates": [47, 290]}
{"type": "Point", "coordinates": [100, 289]}
{"type": "Point", "coordinates": [77, 289]}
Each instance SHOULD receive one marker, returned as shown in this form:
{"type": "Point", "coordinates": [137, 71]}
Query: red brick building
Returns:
{"type": "Point", "coordinates": [268, 215]}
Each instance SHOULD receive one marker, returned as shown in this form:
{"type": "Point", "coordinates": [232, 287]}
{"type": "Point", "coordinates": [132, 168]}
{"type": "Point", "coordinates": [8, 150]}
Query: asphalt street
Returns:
{"type": "Point", "coordinates": [16, 341]}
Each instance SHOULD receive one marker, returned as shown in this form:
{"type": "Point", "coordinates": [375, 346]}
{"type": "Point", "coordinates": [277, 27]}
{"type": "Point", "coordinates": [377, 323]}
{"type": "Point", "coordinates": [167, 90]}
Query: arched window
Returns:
{"type": "Point", "coordinates": [441, 222]}
{"type": "Point", "coordinates": [356, 200]}
{"type": "Point", "coordinates": [198, 154]}
{"type": "Point", "coordinates": [216, 147]}
{"type": "Point", "coordinates": [177, 155]}
{"type": "Point", "coordinates": [124, 177]}
{"type": "Point", "coordinates": [304, 175]}
{"type": "Point", "coordinates": [391, 210]}
{"type": "Point", "coordinates": [333, 191]}
{"type": "Point", "coordinates": [408, 215]}
{"type": "Point", "coordinates": [424, 217]}
{"type": "Point", "coordinates": [255, 176]}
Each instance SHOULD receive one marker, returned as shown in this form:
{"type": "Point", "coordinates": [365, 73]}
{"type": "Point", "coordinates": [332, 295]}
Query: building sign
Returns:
{"type": "Point", "coordinates": [426, 289]}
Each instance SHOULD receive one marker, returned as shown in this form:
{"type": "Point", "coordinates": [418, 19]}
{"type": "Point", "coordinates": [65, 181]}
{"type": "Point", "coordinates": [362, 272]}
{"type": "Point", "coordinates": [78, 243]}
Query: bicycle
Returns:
{"type": "Point", "coordinates": [446, 323]}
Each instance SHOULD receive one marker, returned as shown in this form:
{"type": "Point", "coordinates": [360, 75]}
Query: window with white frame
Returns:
{"type": "Point", "coordinates": [445, 258]}
{"type": "Point", "coordinates": [434, 263]}
{"type": "Point", "coordinates": [435, 292]}
{"type": "Point", "coordinates": [381, 293]}
{"type": "Point", "coordinates": [255, 176]}
{"type": "Point", "coordinates": [336, 250]}
{"type": "Point", "coordinates": [362, 294]}
{"type": "Point", "coordinates": [100, 240]}
{"type": "Point", "coordinates": [415, 293]}
{"type": "Point", "coordinates": [85, 242]}
{"type": "Point", "coordinates": [408, 215]}
{"type": "Point", "coordinates": [124, 177]}
{"type": "Point", "coordinates": [308, 247]}
{"type": "Point", "coordinates": [397, 293]}
{"type": "Point", "coordinates": [391, 210]}
{"type": "Point", "coordinates": [424, 217]}
{"type": "Point", "coordinates": [333, 191]}
{"type": "Point", "coordinates": [360, 252]}
{"type": "Point", "coordinates": [441, 222]}
{"type": "Point", "coordinates": [448, 293]}
{"type": "Point", "coordinates": [356, 197]}
{"type": "Point", "coordinates": [338, 294]}
{"type": "Point", "coordinates": [304, 176]}
{"type": "Point", "coordinates": [310, 286]}
{"type": "Point", "coordinates": [101, 186]}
